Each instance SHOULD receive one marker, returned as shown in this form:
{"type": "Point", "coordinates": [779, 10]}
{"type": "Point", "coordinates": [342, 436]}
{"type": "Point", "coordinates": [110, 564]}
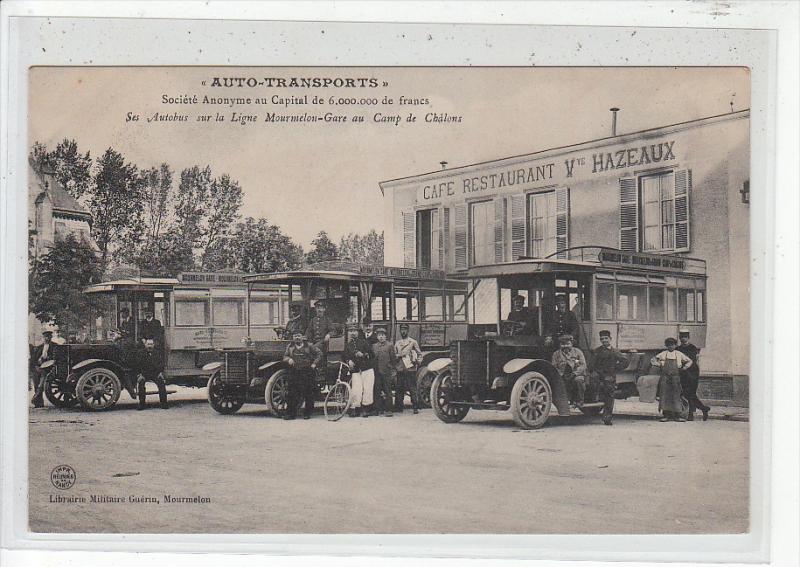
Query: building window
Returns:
{"type": "Point", "coordinates": [542, 224]}
{"type": "Point", "coordinates": [658, 212]}
{"type": "Point", "coordinates": [654, 212]}
{"type": "Point", "coordinates": [429, 245]}
{"type": "Point", "coordinates": [481, 233]}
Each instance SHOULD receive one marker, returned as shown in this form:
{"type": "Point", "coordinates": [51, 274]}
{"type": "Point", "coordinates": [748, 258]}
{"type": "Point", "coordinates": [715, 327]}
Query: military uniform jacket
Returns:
{"type": "Point", "coordinates": [363, 362]}
{"type": "Point", "coordinates": [151, 329]}
{"type": "Point", "coordinates": [303, 356]}
{"type": "Point", "coordinates": [318, 328]}
{"type": "Point", "coordinates": [563, 324]}
{"type": "Point", "coordinates": [608, 361]}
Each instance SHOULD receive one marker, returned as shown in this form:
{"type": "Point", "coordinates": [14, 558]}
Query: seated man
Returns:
{"type": "Point", "coordinates": [571, 365]}
{"type": "Point", "coordinates": [562, 322]}
{"type": "Point", "coordinates": [151, 369]}
{"type": "Point", "coordinates": [296, 323]}
{"type": "Point", "coordinates": [523, 318]}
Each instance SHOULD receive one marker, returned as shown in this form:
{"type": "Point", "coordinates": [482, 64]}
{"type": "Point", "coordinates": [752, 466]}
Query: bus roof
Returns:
{"type": "Point", "coordinates": [348, 271]}
{"type": "Point", "coordinates": [133, 284]}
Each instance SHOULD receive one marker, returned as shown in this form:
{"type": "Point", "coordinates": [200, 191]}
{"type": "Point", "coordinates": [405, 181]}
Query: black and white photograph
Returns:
{"type": "Point", "coordinates": [389, 300]}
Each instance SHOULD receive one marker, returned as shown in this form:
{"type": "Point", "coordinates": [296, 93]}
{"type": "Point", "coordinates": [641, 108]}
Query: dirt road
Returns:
{"type": "Point", "coordinates": [405, 474]}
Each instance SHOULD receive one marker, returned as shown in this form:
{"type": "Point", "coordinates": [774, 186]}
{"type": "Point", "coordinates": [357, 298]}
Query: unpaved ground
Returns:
{"type": "Point", "coordinates": [405, 474]}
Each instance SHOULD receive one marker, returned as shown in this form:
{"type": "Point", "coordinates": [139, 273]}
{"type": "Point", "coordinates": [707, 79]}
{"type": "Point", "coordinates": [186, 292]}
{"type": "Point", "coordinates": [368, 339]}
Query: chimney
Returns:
{"type": "Point", "coordinates": [614, 111]}
{"type": "Point", "coordinates": [443, 164]}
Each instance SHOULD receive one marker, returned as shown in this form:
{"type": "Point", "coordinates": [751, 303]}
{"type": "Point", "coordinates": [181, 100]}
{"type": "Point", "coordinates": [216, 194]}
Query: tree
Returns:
{"type": "Point", "coordinates": [117, 205]}
{"type": "Point", "coordinates": [366, 249]}
{"type": "Point", "coordinates": [323, 249]}
{"type": "Point", "coordinates": [73, 170]}
{"type": "Point", "coordinates": [157, 189]}
{"type": "Point", "coordinates": [205, 209]}
{"type": "Point", "coordinates": [254, 246]}
{"type": "Point", "coordinates": [56, 283]}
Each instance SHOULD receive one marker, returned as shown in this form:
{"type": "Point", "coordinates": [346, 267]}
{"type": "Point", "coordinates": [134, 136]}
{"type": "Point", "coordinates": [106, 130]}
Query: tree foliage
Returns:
{"type": "Point", "coordinates": [73, 170]}
{"type": "Point", "coordinates": [56, 283]}
{"type": "Point", "coordinates": [323, 249]}
{"type": "Point", "coordinates": [366, 249]}
{"type": "Point", "coordinates": [255, 246]}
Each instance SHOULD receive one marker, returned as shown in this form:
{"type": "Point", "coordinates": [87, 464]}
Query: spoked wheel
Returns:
{"type": "Point", "coordinates": [441, 398]}
{"type": "Point", "coordinates": [276, 393]}
{"type": "Point", "coordinates": [59, 393]}
{"type": "Point", "coordinates": [221, 399]}
{"type": "Point", "coordinates": [531, 398]}
{"type": "Point", "coordinates": [337, 402]}
{"type": "Point", "coordinates": [424, 382]}
{"type": "Point", "coordinates": [98, 389]}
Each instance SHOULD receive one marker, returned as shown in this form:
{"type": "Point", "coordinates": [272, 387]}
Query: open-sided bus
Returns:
{"type": "Point", "coordinates": [640, 298]}
{"type": "Point", "coordinates": [199, 314]}
{"type": "Point", "coordinates": [434, 307]}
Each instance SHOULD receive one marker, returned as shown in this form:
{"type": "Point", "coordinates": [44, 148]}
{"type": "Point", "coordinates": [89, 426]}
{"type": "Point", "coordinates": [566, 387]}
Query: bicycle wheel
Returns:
{"type": "Point", "coordinates": [337, 402]}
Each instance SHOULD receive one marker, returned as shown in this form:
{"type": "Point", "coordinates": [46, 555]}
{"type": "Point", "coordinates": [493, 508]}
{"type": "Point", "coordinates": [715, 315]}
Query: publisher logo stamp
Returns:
{"type": "Point", "coordinates": [63, 477]}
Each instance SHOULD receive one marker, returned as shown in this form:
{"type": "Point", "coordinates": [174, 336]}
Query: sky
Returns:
{"type": "Point", "coordinates": [307, 177]}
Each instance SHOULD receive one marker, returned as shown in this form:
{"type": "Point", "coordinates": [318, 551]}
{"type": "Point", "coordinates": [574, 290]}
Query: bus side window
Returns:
{"type": "Point", "coordinates": [605, 301]}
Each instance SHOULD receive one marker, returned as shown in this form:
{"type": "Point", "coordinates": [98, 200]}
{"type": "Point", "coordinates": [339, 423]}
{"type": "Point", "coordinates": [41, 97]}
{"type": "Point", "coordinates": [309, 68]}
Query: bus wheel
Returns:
{"type": "Point", "coordinates": [60, 394]}
{"type": "Point", "coordinates": [221, 400]}
{"type": "Point", "coordinates": [276, 394]}
{"type": "Point", "coordinates": [337, 402]}
{"type": "Point", "coordinates": [531, 399]}
{"type": "Point", "coordinates": [98, 389]}
{"type": "Point", "coordinates": [441, 398]}
{"type": "Point", "coordinates": [424, 382]}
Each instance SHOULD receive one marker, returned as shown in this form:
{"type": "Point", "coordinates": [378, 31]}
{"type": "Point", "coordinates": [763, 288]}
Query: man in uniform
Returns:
{"type": "Point", "coordinates": [408, 355]}
{"type": "Point", "coordinates": [151, 328]}
{"type": "Point", "coordinates": [41, 354]}
{"type": "Point", "coordinates": [385, 372]}
{"type": "Point", "coordinates": [523, 316]}
{"type": "Point", "coordinates": [296, 321]}
{"type": "Point", "coordinates": [607, 362]}
{"type": "Point", "coordinates": [571, 365]}
{"type": "Point", "coordinates": [303, 359]}
{"type": "Point", "coordinates": [319, 329]}
{"type": "Point", "coordinates": [127, 327]}
{"type": "Point", "coordinates": [690, 377]}
{"type": "Point", "coordinates": [358, 356]}
{"type": "Point", "coordinates": [563, 322]}
{"type": "Point", "coordinates": [151, 369]}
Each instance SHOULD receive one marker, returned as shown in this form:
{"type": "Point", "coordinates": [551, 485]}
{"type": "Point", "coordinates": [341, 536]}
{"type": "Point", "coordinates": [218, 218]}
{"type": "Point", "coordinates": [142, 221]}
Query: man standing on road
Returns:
{"type": "Point", "coordinates": [690, 377]}
{"type": "Point", "coordinates": [41, 354]}
{"type": "Point", "coordinates": [385, 372]}
{"type": "Point", "coordinates": [358, 356]}
{"type": "Point", "coordinates": [571, 365]}
{"type": "Point", "coordinates": [607, 362]}
{"type": "Point", "coordinates": [303, 359]}
{"type": "Point", "coordinates": [408, 355]}
{"type": "Point", "coordinates": [151, 369]}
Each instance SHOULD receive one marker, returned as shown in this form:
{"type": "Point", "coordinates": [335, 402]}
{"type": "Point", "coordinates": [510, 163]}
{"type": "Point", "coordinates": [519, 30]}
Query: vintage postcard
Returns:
{"type": "Point", "coordinates": [389, 300]}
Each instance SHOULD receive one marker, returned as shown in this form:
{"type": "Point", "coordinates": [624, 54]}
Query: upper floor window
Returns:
{"type": "Point", "coordinates": [481, 233]}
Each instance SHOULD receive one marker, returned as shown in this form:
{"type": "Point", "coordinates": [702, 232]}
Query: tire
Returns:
{"type": "Point", "coordinates": [441, 393]}
{"type": "Point", "coordinates": [337, 402]}
{"type": "Point", "coordinates": [221, 401]}
{"type": "Point", "coordinates": [531, 400]}
{"type": "Point", "coordinates": [276, 394]}
{"type": "Point", "coordinates": [424, 383]}
{"type": "Point", "coordinates": [98, 389]}
{"type": "Point", "coordinates": [59, 393]}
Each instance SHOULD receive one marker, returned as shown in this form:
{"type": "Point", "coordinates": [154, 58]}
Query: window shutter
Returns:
{"type": "Point", "coordinates": [683, 186]}
{"type": "Point", "coordinates": [460, 227]}
{"type": "Point", "coordinates": [562, 221]}
{"type": "Point", "coordinates": [499, 229]}
{"type": "Point", "coordinates": [409, 238]}
{"type": "Point", "coordinates": [517, 226]}
{"type": "Point", "coordinates": [628, 214]}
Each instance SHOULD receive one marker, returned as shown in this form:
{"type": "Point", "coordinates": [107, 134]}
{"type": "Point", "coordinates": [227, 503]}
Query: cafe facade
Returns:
{"type": "Point", "coordinates": [679, 190]}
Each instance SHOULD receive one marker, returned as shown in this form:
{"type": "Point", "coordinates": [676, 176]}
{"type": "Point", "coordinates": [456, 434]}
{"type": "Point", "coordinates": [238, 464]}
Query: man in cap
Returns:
{"type": "Point", "coordinates": [296, 322]}
{"type": "Point", "coordinates": [408, 355]}
{"type": "Point", "coordinates": [562, 322]}
{"type": "Point", "coordinates": [127, 326]}
{"type": "Point", "coordinates": [385, 372]}
{"type": "Point", "coordinates": [522, 316]}
{"type": "Point", "coordinates": [690, 377]}
{"type": "Point", "coordinates": [358, 357]}
{"type": "Point", "coordinates": [151, 328]}
{"type": "Point", "coordinates": [302, 358]}
{"type": "Point", "coordinates": [319, 328]}
{"type": "Point", "coordinates": [151, 369]}
{"type": "Point", "coordinates": [41, 354]}
{"type": "Point", "coordinates": [571, 365]}
{"type": "Point", "coordinates": [607, 362]}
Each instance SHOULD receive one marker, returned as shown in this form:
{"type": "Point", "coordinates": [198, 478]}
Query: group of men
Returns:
{"type": "Point", "coordinates": [377, 366]}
